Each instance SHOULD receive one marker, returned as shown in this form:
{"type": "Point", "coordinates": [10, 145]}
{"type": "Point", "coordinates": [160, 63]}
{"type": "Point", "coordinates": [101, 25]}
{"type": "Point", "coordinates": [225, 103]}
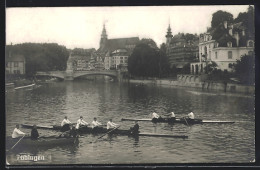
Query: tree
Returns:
{"type": "Point", "coordinates": [245, 69]}
{"type": "Point", "coordinates": [145, 61]}
{"type": "Point", "coordinates": [41, 57]}
{"type": "Point", "coordinates": [210, 67]}
{"type": "Point", "coordinates": [219, 17]}
{"type": "Point", "coordinates": [247, 19]}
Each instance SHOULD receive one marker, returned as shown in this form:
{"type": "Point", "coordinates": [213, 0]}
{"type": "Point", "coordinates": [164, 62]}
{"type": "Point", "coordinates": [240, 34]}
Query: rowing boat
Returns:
{"type": "Point", "coordinates": [102, 130]}
{"type": "Point", "coordinates": [178, 120]}
{"type": "Point", "coordinates": [51, 141]}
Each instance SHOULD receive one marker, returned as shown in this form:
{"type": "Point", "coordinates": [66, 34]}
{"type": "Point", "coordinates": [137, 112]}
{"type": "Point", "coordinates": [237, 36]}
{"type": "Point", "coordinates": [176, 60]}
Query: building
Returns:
{"type": "Point", "coordinates": [115, 52]}
{"type": "Point", "coordinates": [180, 50]}
{"type": "Point", "coordinates": [224, 45]}
{"type": "Point", "coordinates": [80, 59]}
{"type": "Point", "coordinates": [15, 63]}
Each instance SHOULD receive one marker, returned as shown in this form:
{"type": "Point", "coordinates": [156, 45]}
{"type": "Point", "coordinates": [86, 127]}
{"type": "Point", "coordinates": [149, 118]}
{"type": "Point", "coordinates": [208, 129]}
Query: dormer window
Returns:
{"type": "Point", "coordinates": [229, 44]}
{"type": "Point", "coordinates": [250, 43]}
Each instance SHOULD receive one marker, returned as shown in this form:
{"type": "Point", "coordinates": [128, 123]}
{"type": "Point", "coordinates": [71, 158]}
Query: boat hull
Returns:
{"type": "Point", "coordinates": [26, 142]}
{"type": "Point", "coordinates": [101, 130]}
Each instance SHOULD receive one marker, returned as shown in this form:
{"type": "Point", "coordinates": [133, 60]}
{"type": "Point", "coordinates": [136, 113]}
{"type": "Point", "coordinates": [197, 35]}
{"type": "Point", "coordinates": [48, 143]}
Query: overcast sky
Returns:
{"type": "Point", "coordinates": [81, 27]}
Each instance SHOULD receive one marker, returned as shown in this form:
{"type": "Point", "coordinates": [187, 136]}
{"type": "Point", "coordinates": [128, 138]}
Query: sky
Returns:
{"type": "Point", "coordinates": [81, 27]}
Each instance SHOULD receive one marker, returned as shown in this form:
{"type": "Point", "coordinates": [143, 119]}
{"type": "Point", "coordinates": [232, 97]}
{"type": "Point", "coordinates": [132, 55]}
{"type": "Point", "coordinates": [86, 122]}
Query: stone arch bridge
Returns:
{"type": "Point", "coordinates": [71, 75]}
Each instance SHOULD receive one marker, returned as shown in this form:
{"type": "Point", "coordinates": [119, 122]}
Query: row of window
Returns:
{"type": "Point", "coordinates": [15, 64]}
{"type": "Point", "coordinates": [15, 72]}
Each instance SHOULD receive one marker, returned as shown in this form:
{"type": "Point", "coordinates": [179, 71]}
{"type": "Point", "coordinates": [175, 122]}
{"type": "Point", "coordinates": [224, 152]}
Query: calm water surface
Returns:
{"type": "Point", "coordinates": [207, 143]}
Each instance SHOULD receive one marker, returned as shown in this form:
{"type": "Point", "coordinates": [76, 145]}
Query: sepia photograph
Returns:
{"type": "Point", "coordinates": [127, 85]}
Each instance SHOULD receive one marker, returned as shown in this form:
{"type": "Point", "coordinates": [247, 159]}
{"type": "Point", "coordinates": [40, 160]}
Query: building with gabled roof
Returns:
{"type": "Point", "coordinates": [179, 50]}
{"type": "Point", "coordinates": [224, 45]}
{"type": "Point", "coordinates": [109, 49]}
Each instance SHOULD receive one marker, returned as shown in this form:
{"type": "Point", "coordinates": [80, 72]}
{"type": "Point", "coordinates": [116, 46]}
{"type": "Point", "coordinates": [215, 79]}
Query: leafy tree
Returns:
{"type": "Point", "coordinates": [186, 69]}
{"type": "Point", "coordinates": [245, 69]}
{"type": "Point", "coordinates": [147, 61]}
{"type": "Point", "coordinates": [219, 17]}
{"type": "Point", "coordinates": [247, 19]}
{"type": "Point", "coordinates": [210, 67]}
{"type": "Point", "coordinates": [41, 57]}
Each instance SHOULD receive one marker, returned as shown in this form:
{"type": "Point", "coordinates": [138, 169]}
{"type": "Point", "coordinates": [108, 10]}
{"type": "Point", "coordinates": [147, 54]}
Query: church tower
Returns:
{"type": "Point", "coordinates": [168, 36]}
{"type": "Point", "coordinates": [103, 39]}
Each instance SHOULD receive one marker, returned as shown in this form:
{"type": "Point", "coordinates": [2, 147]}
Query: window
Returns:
{"type": "Point", "coordinates": [16, 64]}
{"type": "Point", "coordinates": [229, 44]}
{"type": "Point", "coordinates": [216, 55]}
{"type": "Point", "coordinates": [230, 55]}
{"type": "Point", "coordinates": [250, 44]}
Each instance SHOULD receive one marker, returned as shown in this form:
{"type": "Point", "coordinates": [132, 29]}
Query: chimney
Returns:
{"type": "Point", "coordinates": [236, 36]}
{"type": "Point", "coordinates": [225, 24]}
{"type": "Point", "coordinates": [243, 32]}
{"type": "Point", "coordinates": [230, 31]}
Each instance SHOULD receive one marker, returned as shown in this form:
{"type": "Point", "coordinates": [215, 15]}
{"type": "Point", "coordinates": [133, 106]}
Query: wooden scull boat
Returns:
{"type": "Point", "coordinates": [27, 142]}
{"type": "Point", "coordinates": [178, 120]}
{"type": "Point", "coordinates": [100, 130]}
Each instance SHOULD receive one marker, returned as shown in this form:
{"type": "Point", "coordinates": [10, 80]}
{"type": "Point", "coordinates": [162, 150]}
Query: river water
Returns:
{"type": "Point", "coordinates": [206, 143]}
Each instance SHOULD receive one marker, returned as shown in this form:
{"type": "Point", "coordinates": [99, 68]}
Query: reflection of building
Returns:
{"type": "Point", "coordinates": [225, 48]}
{"type": "Point", "coordinates": [179, 50]}
{"type": "Point", "coordinates": [115, 52]}
{"type": "Point", "coordinates": [15, 64]}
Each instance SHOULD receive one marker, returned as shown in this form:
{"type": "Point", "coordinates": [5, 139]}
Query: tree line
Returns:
{"type": "Point", "coordinates": [40, 56]}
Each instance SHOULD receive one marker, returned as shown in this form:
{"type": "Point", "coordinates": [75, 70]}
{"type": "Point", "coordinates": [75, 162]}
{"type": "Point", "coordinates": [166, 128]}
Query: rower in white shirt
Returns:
{"type": "Point", "coordinates": [111, 125]}
{"type": "Point", "coordinates": [191, 115]}
{"type": "Point", "coordinates": [65, 124]}
{"type": "Point", "coordinates": [155, 115]}
{"type": "Point", "coordinates": [81, 122]}
{"type": "Point", "coordinates": [172, 117]}
{"type": "Point", "coordinates": [17, 132]}
{"type": "Point", "coordinates": [95, 123]}
{"type": "Point", "coordinates": [65, 121]}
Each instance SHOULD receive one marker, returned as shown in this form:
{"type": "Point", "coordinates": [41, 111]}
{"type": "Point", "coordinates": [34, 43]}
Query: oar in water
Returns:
{"type": "Point", "coordinates": [105, 134]}
{"type": "Point", "coordinates": [17, 142]}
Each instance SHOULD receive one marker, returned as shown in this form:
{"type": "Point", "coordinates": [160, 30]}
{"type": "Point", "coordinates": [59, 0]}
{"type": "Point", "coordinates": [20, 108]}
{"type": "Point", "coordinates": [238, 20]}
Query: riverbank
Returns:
{"type": "Point", "coordinates": [214, 86]}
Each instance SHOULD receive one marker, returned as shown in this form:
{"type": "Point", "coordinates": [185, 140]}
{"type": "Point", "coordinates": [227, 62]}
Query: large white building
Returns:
{"type": "Point", "coordinates": [224, 49]}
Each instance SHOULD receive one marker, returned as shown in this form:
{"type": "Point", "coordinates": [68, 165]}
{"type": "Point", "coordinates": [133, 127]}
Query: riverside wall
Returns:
{"type": "Point", "coordinates": [197, 81]}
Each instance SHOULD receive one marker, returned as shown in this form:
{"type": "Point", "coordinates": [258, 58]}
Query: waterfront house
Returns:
{"type": "Point", "coordinates": [15, 63]}
{"type": "Point", "coordinates": [224, 45]}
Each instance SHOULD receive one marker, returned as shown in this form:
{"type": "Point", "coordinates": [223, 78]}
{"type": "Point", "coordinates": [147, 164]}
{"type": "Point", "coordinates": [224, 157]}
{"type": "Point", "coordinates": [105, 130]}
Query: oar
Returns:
{"type": "Point", "coordinates": [106, 134]}
{"type": "Point", "coordinates": [186, 121]}
{"type": "Point", "coordinates": [17, 142]}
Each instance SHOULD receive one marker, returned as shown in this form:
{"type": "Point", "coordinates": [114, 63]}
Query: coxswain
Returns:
{"type": "Point", "coordinates": [111, 125]}
{"type": "Point", "coordinates": [135, 128]}
{"type": "Point", "coordinates": [95, 123]}
{"type": "Point", "coordinates": [191, 116]}
{"type": "Point", "coordinates": [34, 133]}
{"type": "Point", "coordinates": [81, 122]}
{"type": "Point", "coordinates": [17, 132]}
{"type": "Point", "coordinates": [65, 124]}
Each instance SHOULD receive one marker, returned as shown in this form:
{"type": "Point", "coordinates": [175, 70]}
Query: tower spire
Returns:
{"type": "Point", "coordinates": [168, 35]}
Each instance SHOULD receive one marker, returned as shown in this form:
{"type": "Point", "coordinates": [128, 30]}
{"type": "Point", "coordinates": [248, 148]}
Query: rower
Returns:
{"type": "Point", "coordinates": [111, 125]}
{"type": "Point", "coordinates": [34, 133]}
{"type": "Point", "coordinates": [17, 132]}
{"type": "Point", "coordinates": [95, 123]}
{"type": "Point", "coordinates": [65, 124]}
{"type": "Point", "coordinates": [81, 122]}
{"type": "Point", "coordinates": [156, 117]}
{"type": "Point", "coordinates": [172, 117]}
{"type": "Point", "coordinates": [191, 116]}
{"type": "Point", "coordinates": [135, 129]}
